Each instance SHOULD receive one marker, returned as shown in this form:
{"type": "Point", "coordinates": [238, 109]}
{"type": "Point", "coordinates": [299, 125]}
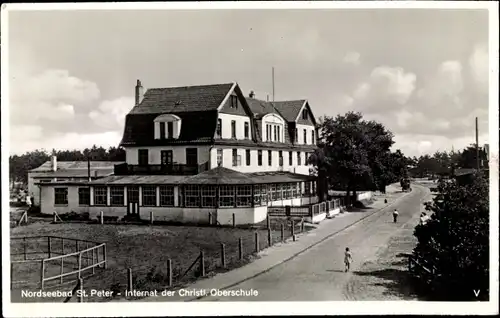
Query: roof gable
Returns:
{"type": "Point", "coordinates": [310, 118]}
{"type": "Point", "coordinates": [182, 99]}
{"type": "Point", "coordinates": [289, 109]}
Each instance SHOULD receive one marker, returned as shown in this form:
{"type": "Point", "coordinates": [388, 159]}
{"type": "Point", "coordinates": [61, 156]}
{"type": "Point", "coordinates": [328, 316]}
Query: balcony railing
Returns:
{"type": "Point", "coordinates": [172, 169]}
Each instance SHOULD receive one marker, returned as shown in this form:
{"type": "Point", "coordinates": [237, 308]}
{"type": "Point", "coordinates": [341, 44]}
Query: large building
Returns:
{"type": "Point", "coordinates": [199, 150]}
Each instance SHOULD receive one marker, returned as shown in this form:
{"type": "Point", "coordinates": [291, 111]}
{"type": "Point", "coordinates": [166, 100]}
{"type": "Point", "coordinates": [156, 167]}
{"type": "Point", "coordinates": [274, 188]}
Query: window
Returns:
{"type": "Point", "coordinates": [259, 157]}
{"type": "Point", "coordinates": [60, 196]}
{"type": "Point", "coordinates": [247, 130]}
{"type": "Point", "coordinates": [143, 157]}
{"type": "Point", "coordinates": [226, 196]}
{"type": "Point", "coordinates": [219, 157]}
{"type": "Point", "coordinates": [270, 157]}
{"type": "Point", "coordinates": [313, 187]}
{"type": "Point", "coordinates": [279, 133]}
{"type": "Point", "coordinates": [294, 193]}
{"type": "Point", "coordinates": [313, 140]}
{"type": "Point", "coordinates": [307, 158]}
{"type": "Point", "coordinates": [272, 189]}
{"type": "Point", "coordinates": [166, 157]}
{"type": "Point", "coordinates": [244, 196]}
{"type": "Point", "coordinates": [133, 194]}
{"type": "Point", "coordinates": [247, 153]}
{"type": "Point", "coordinates": [192, 156]}
{"type": "Point", "coordinates": [208, 196]}
{"type": "Point", "coordinates": [219, 128]}
{"type": "Point", "coordinates": [234, 101]}
{"type": "Point", "coordinates": [83, 196]}
{"type": "Point", "coordinates": [117, 196]}
{"type": "Point", "coordinates": [307, 188]}
{"type": "Point", "coordinates": [290, 158]}
{"type": "Point", "coordinates": [170, 129]}
{"type": "Point", "coordinates": [148, 196]}
{"type": "Point", "coordinates": [296, 135]}
{"type": "Point", "coordinates": [192, 196]}
{"type": "Point", "coordinates": [304, 114]}
{"type": "Point", "coordinates": [279, 189]}
{"type": "Point", "coordinates": [280, 158]}
{"type": "Point", "coordinates": [287, 191]}
{"type": "Point", "coordinates": [233, 129]}
{"type": "Point", "coordinates": [275, 133]}
{"type": "Point", "coordinates": [268, 134]}
{"type": "Point", "coordinates": [162, 130]}
{"type": "Point", "coordinates": [256, 195]}
{"type": "Point", "coordinates": [166, 195]}
{"type": "Point", "coordinates": [305, 136]}
{"type": "Point", "coordinates": [235, 158]}
{"type": "Point", "coordinates": [100, 196]}
{"type": "Point", "coordinates": [299, 161]}
{"type": "Point", "coordinates": [263, 192]}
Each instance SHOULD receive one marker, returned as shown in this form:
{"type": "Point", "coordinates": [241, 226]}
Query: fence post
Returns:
{"type": "Point", "coordinates": [129, 279]}
{"type": "Point", "coordinates": [80, 297]}
{"type": "Point", "coordinates": [62, 270]}
{"type": "Point", "coordinates": [256, 242]}
{"type": "Point", "coordinates": [101, 217]}
{"type": "Point", "coordinates": [268, 223]}
{"type": "Point", "coordinates": [42, 274]}
{"type": "Point", "coordinates": [240, 248]}
{"type": "Point", "coordinates": [269, 238]}
{"type": "Point", "coordinates": [169, 271]}
{"type": "Point", "coordinates": [54, 215]}
{"type": "Point", "coordinates": [80, 265]}
{"type": "Point", "coordinates": [49, 247]}
{"type": "Point", "coordinates": [234, 220]}
{"type": "Point", "coordinates": [202, 264]}
{"type": "Point", "coordinates": [93, 260]}
{"type": "Point", "coordinates": [282, 233]}
{"type": "Point", "coordinates": [294, 237]}
{"type": "Point", "coordinates": [302, 226]}
{"type": "Point", "coordinates": [292, 227]}
{"type": "Point", "coordinates": [223, 254]}
{"type": "Point", "coordinates": [104, 256]}
{"type": "Point", "coordinates": [24, 247]}
{"type": "Point", "coordinates": [209, 218]}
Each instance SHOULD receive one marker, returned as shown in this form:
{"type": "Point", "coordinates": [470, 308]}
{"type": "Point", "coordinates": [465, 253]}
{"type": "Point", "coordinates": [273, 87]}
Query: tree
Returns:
{"type": "Point", "coordinates": [467, 158]}
{"type": "Point", "coordinates": [356, 153]}
{"type": "Point", "coordinates": [456, 240]}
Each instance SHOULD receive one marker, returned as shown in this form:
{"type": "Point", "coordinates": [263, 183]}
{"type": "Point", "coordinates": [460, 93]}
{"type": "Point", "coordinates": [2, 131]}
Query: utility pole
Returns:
{"type": "Point", "coordinates": [477, 148]}
{"type": "Point", "coordinates": [273, 83]}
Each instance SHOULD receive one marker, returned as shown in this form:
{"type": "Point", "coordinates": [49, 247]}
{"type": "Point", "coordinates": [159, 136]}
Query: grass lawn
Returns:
{"type": "Point", "coordinates": [145, 249]}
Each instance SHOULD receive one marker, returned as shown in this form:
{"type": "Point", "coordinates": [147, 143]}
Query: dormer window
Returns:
{"type": "Point", "coordinates": [167, 126]}
{"type": "Point", "coordinates": [219, 128]}
{"type": "Point", "coordinates": [234, 101]}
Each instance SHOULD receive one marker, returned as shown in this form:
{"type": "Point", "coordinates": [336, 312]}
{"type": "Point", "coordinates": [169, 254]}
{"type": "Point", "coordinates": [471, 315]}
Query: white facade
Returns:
{"type": "Point", "coordinates": [227, 160]}
{"type": "Point", "coordinates": [227, 120]}
{"type": "Point", "coordinates": [309, 135]}
{"type": "Point", "coordinates": [273, 128]}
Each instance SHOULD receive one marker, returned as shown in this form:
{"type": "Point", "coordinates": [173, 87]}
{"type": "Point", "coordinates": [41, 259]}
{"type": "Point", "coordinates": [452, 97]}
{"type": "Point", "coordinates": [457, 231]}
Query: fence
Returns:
{"type": "Point", "coordinates": [308, 210]}
{"type": "Point", "coordinates": [33, 259]}
{"type": "Point", "coordinates": [173, 272]}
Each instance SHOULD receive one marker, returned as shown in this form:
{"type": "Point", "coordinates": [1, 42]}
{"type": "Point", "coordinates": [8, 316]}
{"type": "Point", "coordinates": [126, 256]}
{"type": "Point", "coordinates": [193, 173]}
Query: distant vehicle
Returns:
{"type": "Point", "coordinates": [405, 184]}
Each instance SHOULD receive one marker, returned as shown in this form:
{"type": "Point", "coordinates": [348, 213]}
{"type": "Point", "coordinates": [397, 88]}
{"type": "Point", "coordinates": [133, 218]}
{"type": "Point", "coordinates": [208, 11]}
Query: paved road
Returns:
{"type": "Point", "coordinates": [317, 274]}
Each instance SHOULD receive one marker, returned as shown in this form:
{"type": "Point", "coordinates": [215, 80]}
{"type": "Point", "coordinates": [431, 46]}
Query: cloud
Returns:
{"type": "Point", "coordinates": [111, 113]}
{"type": "Point", "coordinates": [352, 58]}
{"type": "Point", "coordinates": [478, 63]}
{"type": "Point", "coordinates": [49, 97]}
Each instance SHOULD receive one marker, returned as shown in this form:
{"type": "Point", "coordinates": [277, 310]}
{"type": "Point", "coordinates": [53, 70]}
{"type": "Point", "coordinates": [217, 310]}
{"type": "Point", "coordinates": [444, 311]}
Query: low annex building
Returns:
{"type": "Point", "coordinates": [195, 150]}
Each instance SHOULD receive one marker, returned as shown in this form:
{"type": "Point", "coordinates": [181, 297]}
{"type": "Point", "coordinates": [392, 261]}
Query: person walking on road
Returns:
{"type": "Point", "coordinates": [347, 259]}
{"type": "Point", "coordinates": [395, 215]}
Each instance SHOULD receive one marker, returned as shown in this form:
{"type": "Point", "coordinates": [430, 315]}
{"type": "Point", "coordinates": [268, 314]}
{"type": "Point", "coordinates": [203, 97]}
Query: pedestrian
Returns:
{"type": "Point", "coordinates": [395, 215]}
{"type": "Point", "coordinates": [347, 259]}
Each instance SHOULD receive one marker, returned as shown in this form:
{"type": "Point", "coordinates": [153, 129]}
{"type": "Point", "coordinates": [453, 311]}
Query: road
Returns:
{"type": "Point", "coordinates": [318, 273]}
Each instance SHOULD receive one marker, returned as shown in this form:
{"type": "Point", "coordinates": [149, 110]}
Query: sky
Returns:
{"type": "Point", "coordinates": [423, 73]}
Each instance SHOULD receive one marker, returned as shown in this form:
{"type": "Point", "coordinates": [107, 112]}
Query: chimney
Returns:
{"type": "Point", "coordinates": [252, 94]}
{"type": "Point", "coordinates": [53, 163]}
{"type": "Point", "coordinates": [139, 93]}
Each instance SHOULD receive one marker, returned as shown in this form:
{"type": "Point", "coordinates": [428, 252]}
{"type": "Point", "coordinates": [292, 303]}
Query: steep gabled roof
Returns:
{"type": "Point", "coordinates": [260, 107]}
{"type": "Point", "coordinates": [182, 99]}
{"type": "Point", "coordinates": [289, 109]}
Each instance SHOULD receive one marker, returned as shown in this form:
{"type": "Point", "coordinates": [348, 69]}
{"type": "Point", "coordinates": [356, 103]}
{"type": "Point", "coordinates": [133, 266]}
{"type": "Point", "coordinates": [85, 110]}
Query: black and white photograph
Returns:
{"type": "Point", "coordinates": [249, 158]}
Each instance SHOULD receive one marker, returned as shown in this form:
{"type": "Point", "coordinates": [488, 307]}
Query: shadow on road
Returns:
{"type": "Point", "coordinates": [335, 270]}
{"type": "Point", "coordinates": [397, 282]}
